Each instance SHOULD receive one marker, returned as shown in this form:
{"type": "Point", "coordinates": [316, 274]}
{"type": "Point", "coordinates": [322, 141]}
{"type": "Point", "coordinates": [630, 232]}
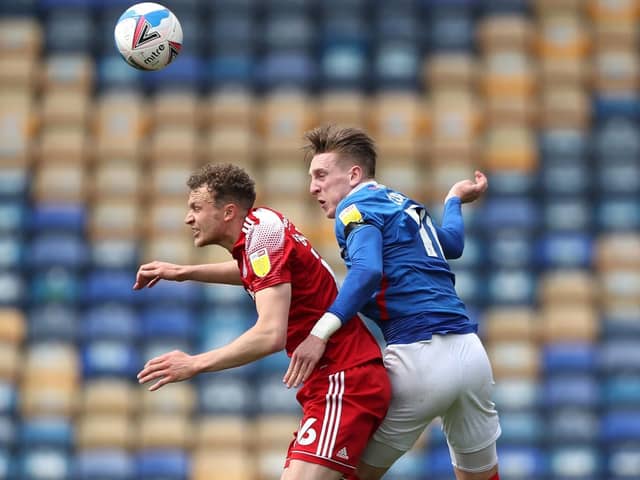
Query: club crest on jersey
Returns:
{"type": "Point", "coordinates": [351, 214]}
{"type": "Point", "coordinates": [260, 262]}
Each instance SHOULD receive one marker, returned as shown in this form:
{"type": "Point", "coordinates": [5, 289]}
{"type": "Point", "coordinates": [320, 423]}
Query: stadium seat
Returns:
{"type": "Point", "coordinates": [115, 321]}
{"type": "Point", "coordinates": [8, 397]}
{"type": "Point", "coordinates": [616, 138]}
{"type": "Point", "coordinates": [451, 29]}
{"type": "Point", "coordinates": [9, 361]}
{"type": "Point", "coordinates": [517, 394]}
{"type": "Point", "coordinates": [12, 325]}
{"type": "Point", "coordinates": [113, 73]}
{"type": "Point", "coordinates": [214, 432]}
{"type": "Point", "coordinates": [564, 250]}
{"type": "Point", "coordinates": [621, 390]}
{"type": "Point", "coordinates": [620, 213]}
{"type": "Point", "coordinates": [73, 71]}
{"type": "Point", "coordinates": [521, 428]}
{"type": "Point", "coordinates": [177, 399]}
{"type": "Point", "coordinates": [526, 462]}
{"type": "Point", "coordinates": [231, 70]}
{"type": "Point", "coordinates": [622, 461]}
{"type": "Point", "coordinates": [60, 181]}
{"type": "Point", "coordinates": [105, 431]}
{"type": "Point", "coordinates": [166, 216]}
{"type": "Point", "coordinates": [189, 75]}
{"type": "Point", "coordinates": [166, 464]}
{"type": "Point", "coordinates": [106, 286]}
{"type": "Point", "coordinates": [36, 463]}
{"type": "Point", "coordinates": [171, 247]}
{"type": "Point", "coordinates": [514, 358]}
{"type": "Point", "coordinates": [114, 177]}
{"type": "Point", "coordinates": [69, 30]}
{"type": "Point", "coordinates": [55, 284]}
{"type": "Point", "coordinates": [573, 424]}
{"type": "Point", "coordinates": [619, 356]}
{"type": "Point", "coordinates": [510, 249]}
{"type": "Point", "coordinates": [580, 460]}
{"type": "Point", "coordinates": [578, 390]}
{"type": "Point", "coordinates": [109, 396]}
{"type": "Point", "coordinates": [569, 322]}
{"type": "Point", "coordinates": [12, 289]}
{"type": "Point", "coordinates": [104, 464]}
{"type": "Point", "coordinates": [176, 107]}
{"type": "Point", "coordinates": [12, 216]}
{"type": "Point", "coordinates": [102, 358]}
{"type": "Point", "coordinates": [223, 464]}
{"type": "Point", "coordinates": [57, 217]}
{"type": "Point", "coordinates": [272, 398]}
{"type": "Point", "coordinates": [52, 321]}
{"type": "Point", "coordinates": [117, 254]}
{"type": "Point", "coordinates": [569, 357]}
{"type": "Point", "coordinates": [219, 394]}
{"type": "Point", "coordinates": [114, 217]}
{"type": "Point", "coordinates": [7, 433]}
{"type": "Point", "coordinates": [55, 432]}
{"type": "Point", "coordinates": [567, 213]}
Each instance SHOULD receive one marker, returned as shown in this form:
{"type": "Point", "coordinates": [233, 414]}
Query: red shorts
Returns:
{"type": "Point", "coordinates": [340, 412]}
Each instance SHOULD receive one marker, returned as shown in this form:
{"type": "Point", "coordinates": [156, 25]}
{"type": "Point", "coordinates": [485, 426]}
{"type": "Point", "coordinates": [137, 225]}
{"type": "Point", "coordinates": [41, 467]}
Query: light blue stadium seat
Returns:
{"type": "Point", "coordinates": [54, 432]}
{"type": "Point", "coordinates": [567, 213]}
{"type": "Point", "coordinates": [107, 286]}
{"type": "Point", "coordinates": [114, 254]}
{"type": "Point", "coordinates": [189, 74]}
{"type": "Point", "coordinates": [113, 72]}
{"type": "Point", "coordinates": [231, 70]}
{"type": "Point", "coordinates": [509, 248]}
{"type": "Point", "coordinates": [565, 250]}
{"type": "Point", "coordinates": [12, 288]}
{"type": "Point", "coordinates": [166, 293]}
{"type": "Point", "coordinates": [8, 397]}
{"type": "Point", "coordinates": [583, 461]}
{"type": "Point", "coordinates": [621, 213]}
{"type": "Point", "coordinates": [12, 215]}
{"type": "Point", "coordinates": [288, 31]}
{"type": "Point", "coordinates": [53, 321]}
{"type": "Point", "coordinates": [396, 65]}
{"type": "Point", "coordinates": [276, 363]}
{"type": "Point", "coordinates": [572, 425]}
{"type": "Point", "coordinates": [225, 394]}
{"type": "Point", "coordinates": [44, 463]}
{"type": "Point", "coordinates": [297, 70]}
{"type": "Point", "coordinates": [11, 251]}
{"type": "Point", "coordinates": [624, 462]}
{"type": "Point", "coordinates": [510, 212]}
{"type": "Point", "coordinates": [60, 217]}
{"type": "Point", "coordinates": [521, 427]}
{"type": "Point", "coordinates": [103, 358]}
{"type": "Point", "coordinates": [523, 462]}
{"type": "Point", "coordinates": [162, 464]}
{"type": "Point", "coordinates": [56, 284]}
{"type": "Point", "coordinates": [569, 357]}
{"type": "Point", "coordinates": [617, 139]}
{"type": "Point", "coordinates": [173, 322]}
{"type": "Point", "coordinates": [227, 296]}
{"type": "Point", "coordinates": [65, 249]}
{"type": "Point", "coordinates": [69, 30]}
{"type": "Point", "coordinates": [511, 287]}
{"type": "Point", "coordinates": [575, 390]}
{"type": "Point", "coordinates": [221, 326]}
{"type": "Point", "coordinates": [474, 252]}
{"type": "Point", "coordinates": [505, 183]}
{"type": "Point", "coordinates": [618, 177]}
{"type": "Point", "coordinates": [7, 432]}
{"type": "Point", "coordinates": [272, 396]}
{"type": "Point", "coordinates": [620, 356]}
{"type": "Point", "coordinates": [621, 390]}
{"type": "Point", "coordinates": [566, 178]}
{"type": "Point", "coordinates": [110, 321]}
{"type": "Point", "coordinates": [469, 285]}
{"type": "Point", "coordinates": [14, 182]}
{"type": "Point", "coordinates": [155, 347]}
{"type": "Point", "coordinates": [620, 323]}
{"type": "Point", "coordinates": [104, 464]}
{"type": "Point", "coordinates": [344, 66]}
{"type": "Point", "coordinates": [563, 145]}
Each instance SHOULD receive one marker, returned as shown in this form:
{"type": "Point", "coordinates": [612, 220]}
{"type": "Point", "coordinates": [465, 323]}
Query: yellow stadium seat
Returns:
{"type": "Point", "coordinates": [236, 145]}
{"type": "Point", "coordinates": [505, 32]}
{"type": "Point", "coordinates": [565, 107]}
{"type": "Point", "coordinates": [165, 431]}
{"type": "Point", "coordinates": [510, 323]}
{"type": "Point", "coordinates": [569, 322]}
{"type": "Point", "coordinates": [270, 463]}
{"type": "Point", "coordinates": [68, 71]}
{"type": "Point", "coordinates": [12, 325]}
{"type": "Point", "coordinates": [401, 173]}
{"type": "Point", "coordinates": [620, 286]}
{"type": "Point", "coordinates": [514, 358]}
{"type": "Point", "coordinates": [510, 110]}
{"type": "Point", "coordinates": [171, 143]}
{"type": "Point", "coordinates": [120, 125]}
{"type": "Point", "coordinates": [436, 182]}
{"type": "Point", "coordinates": [231, 108]}
{"type": "Point", "coordinates": [508, 73]}
{"type": "Point", "coordinates": [10, 361]}
{"type": "Point", "coordinates": [17, 127]}
{"type": "Point", "coordinates": [510, 148]}
{"type": "Point", "coordinates": [275, 431]}
{"type": "Point", "coordinates": [166, 215]}
{"type": "Point", "coordinates": [105, 430]}
{"type": "Point", "coordinates": [177, 398]}
{"type": "Point", "coordinates": [48, 400]}
{"type": "Point", "coordinates": [285, 176]}
{"type": "Point", "coordinates": [170, 247]}
{"type": "Point", "coordinates": [620, 34]}
{"type": "Point", "coordinates": [51, 359]}
{"type": "Point", "coordinates": [450, 70]}
{"type": "Point", "coordinates": [346, 109]}
{"type": "Point", "coordinates": [224, 431]}
{"type": "Point", "coordinates": [115, 177]}
{"type": "Point", "coordinates": [558, 72]}
{"type": "Point", "coordinates": [617, 250]}
{"type": "Point", "coordinates": [114, 217]}
{"type": "Point", "coordinates": [58, 181]}
{"type": "Point", "coordinates": [20, 37]}
{"type": "Point", "coordinates": [568, 286]}
{"type": "Point", "coordinates": [562, 35]}
{"type": "Point", "coordinates": [180, 108]}
{"type": "Point", "coordinates": [109, 396]}
{"type": "Point", "coordinates": [616, 70]}
{"type": "Point", "coordinates": [169, 179]}
{"type": "Point", "coordinates": [18, 71]}
{"type": "Point", "coordinates": [614, 12]}
{"type": "Point", "coordinates": [69, 144]}
{"type": "Point", "coordinates": [570, 7]}
{"type": "Point", "coordinates": [223, 464]}
{"type": "Point", "coordinates": [65, 107]}
{"type": "Point", "coordinates": [456, 120]}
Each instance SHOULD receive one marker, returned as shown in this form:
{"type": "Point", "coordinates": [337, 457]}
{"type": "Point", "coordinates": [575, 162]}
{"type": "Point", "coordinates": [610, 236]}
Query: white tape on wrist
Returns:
{"type": "Point", "coordinates": [326, 326]}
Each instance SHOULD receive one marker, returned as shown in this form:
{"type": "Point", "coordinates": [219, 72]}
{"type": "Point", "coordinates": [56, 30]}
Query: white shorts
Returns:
{"type": "Point", "coordinates": [450, 377]}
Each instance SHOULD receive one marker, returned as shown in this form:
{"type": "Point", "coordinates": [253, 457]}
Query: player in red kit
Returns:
{"type": "Point", "coordinates": [346, 397]}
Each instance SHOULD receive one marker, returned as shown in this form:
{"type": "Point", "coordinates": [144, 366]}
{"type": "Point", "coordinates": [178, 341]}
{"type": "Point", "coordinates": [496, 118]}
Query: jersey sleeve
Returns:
{"type": "Point", "coordinates": [354, 213]}
{"type": "Point", "coordinates": [268, 249]}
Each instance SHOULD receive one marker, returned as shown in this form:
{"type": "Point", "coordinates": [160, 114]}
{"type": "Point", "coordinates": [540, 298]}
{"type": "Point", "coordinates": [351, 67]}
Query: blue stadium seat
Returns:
{"type": "Point", "coordinates": [11, 251]}
{"type": "Point", "coordinates": [474, 252]}
{"type": "Point", "coordinates": [39, 463]}
{"type": "Point", "coordinates": [189, 74]}
{"type": "Point", "coordinates": [64, 249]}
{"type": "Point", "coordinates": [53, 321]}
{"type": "Point", "coordinates": [234, 70]}
{"type": "Point", "coordinates": [509, 212]}
{"type": "Point", "coordinates": [562, 213]}
{"type": "Point", "coordinates": [12, 288]}
{"type": "Point", "coordinates": [621, 390]}
{"type": "Point", "coordinates": [618, 214]}
{"type": "Point", "coordinates": [288, 32]}
{"type": "Point", "coordinates": [511, 287]}
{"type": "Point", "coordinates": [565, 250]}
{"type": "Point", "coordinates": [470, 285]}
{"type": "Point", "coordinates": [110, 321]}
{"type": "Point", "coordinates": [221, 326]}
{"type": "Point", "coordinates": [620, 323]}
{"type": "Point", "coordinates": [396, 65]}
{"type": "Point", "coordinates": [7, 432]}
{"type": "Point", "coordinates": [572, 425]}
{"type": "Point", "coordinates": [8, 467]}
{"type": "Point", "coordinates": [621, 425]}
{"type": "Point", "coordinates": [344, 66]}
{"type": "Point", "coordinates": [273, 397]}
{"type": "Point", "coordinates": [523, 462]}
{"type": "Point", "coordinates": [620, 356]}
{"type": "Point", "coordinates": [563, 145]}
{"type": "Point", "coordinates": [115, 254]}
{"type": "Point", "coordinates": [102, 358]}
{"type": "Point", "coordinates": [617, 139]}
{"type": "Point", "coordinates": [296, 70]}
{"type": "Point", "coordinates": [69, 30]}
{"type": "Point", "coordinates": [58, 217]}
{"type": "Point", "coordinates": [521, 428]}
{"type": "Point", "coordinates": [54, 432]}
{"type": "Point", "coordinates": [583, 461]}
{"type": "Point", "coordinates": [276, 363]}
{"type": "Point", "coordinates": [566, 178]}
{"type": "Point", "coordinates": [451, 29]}
{"type": "Point", "coordinates": [225, 394]}
{"type": "Point", "coordinates": [48, 5]}
{"type": "Point", "coordinates": [239, 7]}
{"type": "Point", "coordinates": [19, 7]}
{"type": "Point", "coordinates": [231, 297]}
{"type": "Point", "coordinates": [618, 105]}
{"type": "Point", "coordinates": [394, 23]}
{"type": "Point", "coordinates": [174, 322]}
{"type": "Point", "coordinates": [502, 7]}
{"type": "Point", "coordinates": [113, 72]}
{"type": "Point", "coordinates": [506, 183]}
{"type": "Point", "coordinates": [8, 397]}
{"type": "Point", "coordinates": [14, 182]}
{"type": "Point", "coordinates": [231, 34]}
{"type": "Point", "coordinates": [162, 464]}
{"type": "Point", "coordinates": [195, 38]}
{"type": "Point", "coordinates": [184, 293]}
{"type": "Point", "coordinates": [104, 464]}
{"type": "Point", "coordinates": [112, 286]}
{"type": "Point", "coordinates": [618, 177]}
{"type": "Point", "coordinates": [56, 284]}
{"type": "Point", "coordinates": [12, 215]}
{"type": "Point", "coordinates": [575, 390]}
{"type": "Point", "coordinates": [623, 462]}
{"type": "Point", "coordinates": [569, 357]}
{"type": "Point", "coordinates": [437, 462]}
{"type": "Point", "coordinates": [509, 249]}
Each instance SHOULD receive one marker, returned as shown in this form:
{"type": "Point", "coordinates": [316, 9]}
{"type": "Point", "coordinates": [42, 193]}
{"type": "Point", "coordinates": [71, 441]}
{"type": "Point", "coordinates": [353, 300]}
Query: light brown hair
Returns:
{"type": "Point", "coordinates": [226, 183]}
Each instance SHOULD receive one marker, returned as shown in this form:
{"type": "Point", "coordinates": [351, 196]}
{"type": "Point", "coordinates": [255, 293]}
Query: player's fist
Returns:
{"type": "Point", "coordinates": [151, 273]}
{"type": "Point", "coordinates": [469, 190]}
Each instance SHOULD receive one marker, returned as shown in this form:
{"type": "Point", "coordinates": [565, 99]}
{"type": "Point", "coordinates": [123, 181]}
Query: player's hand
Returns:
{"type": "Point", "coordinates": [303, 360]}
{"type": "Point", "coordinates": [151, 273]}
{"type": "Point", "coordinates": [171, 367]}
{"type": "Point", "coordinates": [469, 190]}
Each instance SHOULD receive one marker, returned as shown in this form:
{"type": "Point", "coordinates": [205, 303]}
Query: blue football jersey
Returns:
{"type": "Point", "coordinates": [416, 297]}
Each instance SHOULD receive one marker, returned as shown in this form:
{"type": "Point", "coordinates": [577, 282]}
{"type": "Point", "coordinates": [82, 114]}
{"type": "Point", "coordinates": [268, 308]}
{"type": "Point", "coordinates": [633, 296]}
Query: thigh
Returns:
{"type": "Point", "coordinates": [299, 470]}
{"type": "Point", "coordinates": [340, 413]}
{"type": "Point", "coordinates": [471, 423]}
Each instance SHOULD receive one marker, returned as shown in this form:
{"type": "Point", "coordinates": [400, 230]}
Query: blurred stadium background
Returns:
{"type": "Point", "coordinates": [542, 95]}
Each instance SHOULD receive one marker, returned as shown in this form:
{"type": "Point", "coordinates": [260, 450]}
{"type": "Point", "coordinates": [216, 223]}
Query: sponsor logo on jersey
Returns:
{"type": "Point", "coordinates": [351, 214]}
{"type": "Point", "coordinates": [260, 262]}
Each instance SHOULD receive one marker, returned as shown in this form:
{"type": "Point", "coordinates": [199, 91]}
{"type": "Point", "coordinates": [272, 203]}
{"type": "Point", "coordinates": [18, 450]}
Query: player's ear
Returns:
{"type": "Point", "coordinates": [230, 210]}
{"type": "Point", "coordinates": [355, 175]}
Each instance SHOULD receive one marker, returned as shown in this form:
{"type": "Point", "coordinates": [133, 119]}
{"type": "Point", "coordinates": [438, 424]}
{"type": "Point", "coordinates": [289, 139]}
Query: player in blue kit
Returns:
{"type": "Point", "coordinates": [398, 276]}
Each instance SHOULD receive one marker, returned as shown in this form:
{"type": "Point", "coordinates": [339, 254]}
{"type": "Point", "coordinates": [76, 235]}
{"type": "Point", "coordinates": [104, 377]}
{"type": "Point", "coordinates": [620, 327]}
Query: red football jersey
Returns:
{"type": "Point", "coordinates": [271, 251]}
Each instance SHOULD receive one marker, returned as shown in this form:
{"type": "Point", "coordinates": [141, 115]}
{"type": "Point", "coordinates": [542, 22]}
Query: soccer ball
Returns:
{"type": "Point", "coordinates": [148, 36]}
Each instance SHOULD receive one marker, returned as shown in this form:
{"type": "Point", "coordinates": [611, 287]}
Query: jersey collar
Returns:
{"type": "Point", "coordinates": [361, 186]}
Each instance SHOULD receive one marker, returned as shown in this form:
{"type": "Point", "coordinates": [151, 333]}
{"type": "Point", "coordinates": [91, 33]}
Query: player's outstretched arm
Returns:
{"type": "Point", "coordinates": [469, 190]}
{"type": "Point", "coordinates": [151, 273]}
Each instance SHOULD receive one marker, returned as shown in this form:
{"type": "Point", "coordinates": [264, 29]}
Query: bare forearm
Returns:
{"type": "Point", "coordinates": [224, 272]}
